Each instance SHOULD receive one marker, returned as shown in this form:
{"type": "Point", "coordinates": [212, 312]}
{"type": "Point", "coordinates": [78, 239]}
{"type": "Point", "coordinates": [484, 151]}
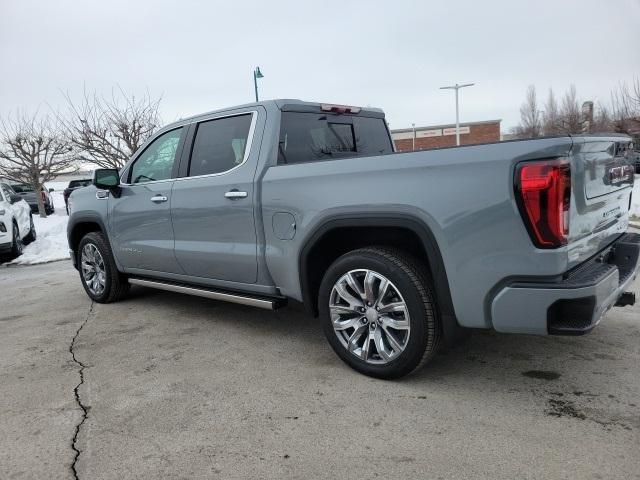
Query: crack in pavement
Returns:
{"type": "Point", "coordinates": [85, 410]}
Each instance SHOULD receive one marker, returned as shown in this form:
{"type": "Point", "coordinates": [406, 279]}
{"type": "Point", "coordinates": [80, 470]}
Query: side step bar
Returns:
{"type": "Point", "coordinates": [260, 302]}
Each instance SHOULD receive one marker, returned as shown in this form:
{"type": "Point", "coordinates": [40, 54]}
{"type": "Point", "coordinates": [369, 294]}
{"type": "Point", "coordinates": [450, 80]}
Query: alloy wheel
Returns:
{"type": "Point", "coordinates": [93, 269]}
{"type": "Point", "coordinates": [369, 316]}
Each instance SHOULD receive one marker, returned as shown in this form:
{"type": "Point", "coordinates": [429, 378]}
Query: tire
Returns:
{"type": "Point", "coordinates": [409, 288]}
{"type": "Point", "coordinates": [16, 244]}
{"type": "Point", "coordinates": [114, 284]}
{"type": "Point", "coordinates": [31, 236]}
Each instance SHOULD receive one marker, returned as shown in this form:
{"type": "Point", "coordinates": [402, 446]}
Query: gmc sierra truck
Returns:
{"type": "Point", "coordinates": [397, 253]}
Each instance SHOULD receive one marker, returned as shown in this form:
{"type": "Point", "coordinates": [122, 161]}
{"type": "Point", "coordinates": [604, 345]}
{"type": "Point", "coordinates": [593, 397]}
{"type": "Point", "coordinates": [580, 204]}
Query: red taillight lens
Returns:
{"type": "Point", "coordinates": [44, 196]}
{"type": "Point", "coordinates": [544, 191]}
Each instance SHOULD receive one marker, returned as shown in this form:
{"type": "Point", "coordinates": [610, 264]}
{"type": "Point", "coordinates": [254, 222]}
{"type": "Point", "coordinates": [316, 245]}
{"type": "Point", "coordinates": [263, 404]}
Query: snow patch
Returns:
{"type": "Point", "coordinates": [51, 235]}
{"type": "Point", "coordinates": [635, 201]}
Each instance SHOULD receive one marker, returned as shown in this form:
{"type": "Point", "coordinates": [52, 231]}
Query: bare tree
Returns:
{"type": "Point", "coordinates": [530, 123]}
{"type": "Point", "coordinates": [625, 103]}
{"type": "Point", "coordinates": [602, 120]}
{"type": "Point", "coordinates": [33, 150]}
{"type": "Point", "coordinates": [107, 131]}
{"type": "Point", "coordinates": [551, 123]}
{"type": "Point", "coordinates": [570, 112]}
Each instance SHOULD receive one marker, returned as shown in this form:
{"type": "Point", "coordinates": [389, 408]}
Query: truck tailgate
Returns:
{"type": "Point", "coordinates": [602, 181]}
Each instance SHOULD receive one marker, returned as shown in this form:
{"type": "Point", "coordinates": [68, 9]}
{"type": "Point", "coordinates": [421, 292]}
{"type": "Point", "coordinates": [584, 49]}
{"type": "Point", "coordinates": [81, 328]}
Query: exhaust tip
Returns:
{"type": "Point", "coordinates": [627, 298]}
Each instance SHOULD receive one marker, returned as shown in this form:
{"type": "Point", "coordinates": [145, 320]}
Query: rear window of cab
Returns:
{"type": "Point", "coordinates": [307, 137]}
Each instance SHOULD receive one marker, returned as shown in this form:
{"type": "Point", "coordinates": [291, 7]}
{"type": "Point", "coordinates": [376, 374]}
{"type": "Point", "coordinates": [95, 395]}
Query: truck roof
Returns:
{"type": "Point", "coordinates": [283, 104]}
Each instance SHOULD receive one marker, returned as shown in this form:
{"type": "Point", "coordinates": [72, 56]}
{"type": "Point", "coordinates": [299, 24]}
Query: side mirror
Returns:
{"type": "Point", "coordinates": [107, 179]}
{"type": "Point", "coordinates": [14, 199]}
{"type": "Point", "coordinates": [51, 190]}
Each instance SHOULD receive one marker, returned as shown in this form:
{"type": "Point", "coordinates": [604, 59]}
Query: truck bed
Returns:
{"type": "Point", "coordinates": [465, 196]}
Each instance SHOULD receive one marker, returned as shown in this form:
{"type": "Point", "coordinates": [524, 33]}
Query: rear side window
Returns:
{"type": "Point", "coordinates": [305, 137]}
{"type": "Point", "coordinates": [23, 188]}
{"type": "Point", "coordinates": [219, 145]}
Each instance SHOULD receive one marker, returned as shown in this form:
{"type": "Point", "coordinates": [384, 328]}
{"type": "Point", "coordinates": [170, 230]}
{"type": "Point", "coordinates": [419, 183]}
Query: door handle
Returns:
{"type": "Point", "coordinates": [159, 199]}
{"type": "Point", "coordinates": [235, 194]}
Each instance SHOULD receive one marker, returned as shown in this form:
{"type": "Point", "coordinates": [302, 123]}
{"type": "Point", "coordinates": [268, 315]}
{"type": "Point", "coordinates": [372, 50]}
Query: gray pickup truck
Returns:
{"type": "Point", "coordinates": [397, 253]}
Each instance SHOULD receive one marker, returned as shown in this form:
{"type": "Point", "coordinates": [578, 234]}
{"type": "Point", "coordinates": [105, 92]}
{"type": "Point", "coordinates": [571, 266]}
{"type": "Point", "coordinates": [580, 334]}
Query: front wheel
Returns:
{"type": "Point", "coordinates": [378, 312]}
{"type": "Point", "coordinates": [98, 272]}
{"type": "Point", "coordinates": [31, 236]}
{"type": "Point", "coordinates": [16, 245]}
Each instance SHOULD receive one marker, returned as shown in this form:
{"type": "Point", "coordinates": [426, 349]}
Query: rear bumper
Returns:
{"type": "Point", "coordinates": [575, 304]}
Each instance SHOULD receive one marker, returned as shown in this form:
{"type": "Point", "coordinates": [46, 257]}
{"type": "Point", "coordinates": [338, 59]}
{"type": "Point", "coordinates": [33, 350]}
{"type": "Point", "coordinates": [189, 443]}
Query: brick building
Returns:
{"type": "Point", "coordinates": [437, 136]}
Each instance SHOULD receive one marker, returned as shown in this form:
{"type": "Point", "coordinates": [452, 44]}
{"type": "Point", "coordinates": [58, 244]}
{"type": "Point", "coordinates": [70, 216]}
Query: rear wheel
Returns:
{"type": "Point", "coordinates": [31, 236]}
{"type": "Point", "coordinates": [98, 272]}
{"type": "Point", "coordinates": [378, 312]}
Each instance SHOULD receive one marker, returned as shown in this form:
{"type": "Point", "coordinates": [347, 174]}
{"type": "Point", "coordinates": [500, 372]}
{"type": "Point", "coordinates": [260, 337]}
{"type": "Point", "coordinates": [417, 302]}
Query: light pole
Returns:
{"type": "Point", "coordinates": [256, 75]}
{"type": "Point", "coordinates": [413, 125]}
{"type": "Point", "coordinates": [457, 87]}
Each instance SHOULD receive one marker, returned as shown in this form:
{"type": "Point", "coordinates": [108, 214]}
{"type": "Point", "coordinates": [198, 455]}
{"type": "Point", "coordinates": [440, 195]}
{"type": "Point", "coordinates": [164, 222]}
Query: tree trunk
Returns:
{"type": "Point", "coordinates": [41, 210]}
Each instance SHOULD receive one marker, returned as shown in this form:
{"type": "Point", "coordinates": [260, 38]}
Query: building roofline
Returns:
{"type": "Point", "coordinates": [448, 125]}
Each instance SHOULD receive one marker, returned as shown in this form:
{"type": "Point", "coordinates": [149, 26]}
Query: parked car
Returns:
{"type": "Point", "coordinates": [74, 185]}
{"type": "Point", "coordinates": [16, 223]}
{"type": "Point", "coordinates": [396, 252]}
{"type": "Point", "coordinates": [28, 193]}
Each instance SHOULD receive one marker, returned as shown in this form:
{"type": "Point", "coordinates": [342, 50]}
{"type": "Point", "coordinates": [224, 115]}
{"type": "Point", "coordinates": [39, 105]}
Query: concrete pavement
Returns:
{"type": "Point", "coordinates": [183, 387]}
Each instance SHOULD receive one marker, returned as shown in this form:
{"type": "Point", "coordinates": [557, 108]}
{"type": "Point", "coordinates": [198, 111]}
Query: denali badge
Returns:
{"type": "Point", "coordinates": [620, 174]}
{"type": "Point", "coordinates": [613, 211]}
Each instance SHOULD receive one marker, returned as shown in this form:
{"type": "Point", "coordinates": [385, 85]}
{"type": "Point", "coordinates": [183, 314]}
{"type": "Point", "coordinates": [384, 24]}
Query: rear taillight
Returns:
{"type": "Point", "coordinates": [543, 190]}
{"type": "Point", "coordinates": [44, 196]}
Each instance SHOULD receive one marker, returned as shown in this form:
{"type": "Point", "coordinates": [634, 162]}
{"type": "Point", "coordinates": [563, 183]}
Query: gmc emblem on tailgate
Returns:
{"type": "Point", "coordinates": [620, 174]}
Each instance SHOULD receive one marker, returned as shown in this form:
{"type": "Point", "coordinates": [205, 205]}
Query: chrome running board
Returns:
{"type": "Point", "coordinates": [260, 302]}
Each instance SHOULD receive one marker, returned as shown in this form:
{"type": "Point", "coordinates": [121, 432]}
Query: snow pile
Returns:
{"type": "Point", "coordinates": [635, 202]}
{"type": "Point", "coordinates": [51, 235]}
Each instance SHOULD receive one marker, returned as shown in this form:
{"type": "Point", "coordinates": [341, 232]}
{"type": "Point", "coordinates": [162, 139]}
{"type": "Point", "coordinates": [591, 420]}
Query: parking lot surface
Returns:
{"type": "Point", "coordinates": [169, 386]}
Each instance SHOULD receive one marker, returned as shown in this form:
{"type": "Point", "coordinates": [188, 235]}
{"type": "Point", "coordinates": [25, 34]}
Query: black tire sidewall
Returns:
{"type": "Point", "coordinates": [17, 245]}
{"type": "Point", "coordinates": [414, 351]}
{"type": "Point", "coordinates": [96, 240]}
{"type": "Point", "coordinates": [31, 236]}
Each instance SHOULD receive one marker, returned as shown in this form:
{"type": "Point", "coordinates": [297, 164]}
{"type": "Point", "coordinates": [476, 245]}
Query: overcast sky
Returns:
{"type": "Point", "coordinates": [391, 54]}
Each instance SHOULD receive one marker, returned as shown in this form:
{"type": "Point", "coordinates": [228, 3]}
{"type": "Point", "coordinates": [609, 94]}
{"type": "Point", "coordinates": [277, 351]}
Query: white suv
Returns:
{"type": "Point", "coordinates": [16, 222]}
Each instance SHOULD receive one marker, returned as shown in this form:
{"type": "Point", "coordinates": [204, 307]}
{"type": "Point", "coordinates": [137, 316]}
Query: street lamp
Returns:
{"type": "Point", "coordinates": [256, 75]}
{"type": "Point", "coordinates": [457, 87]}
{"type": "Point", "coordinates": [413, 125]}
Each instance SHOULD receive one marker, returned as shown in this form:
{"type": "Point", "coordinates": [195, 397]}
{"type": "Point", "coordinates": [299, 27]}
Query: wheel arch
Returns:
{"type": "Point", "coordinates": [412, 233]}
{"type": "Point", "coordinates": [79, 228]}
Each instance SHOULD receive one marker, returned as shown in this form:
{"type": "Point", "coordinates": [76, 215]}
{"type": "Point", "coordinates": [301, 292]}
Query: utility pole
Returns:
{"type": "Point", "coordinates": [457, 87]}
{"type": "Point", "coordinates": [256, 75]}
{"type": "Point", "coordinates": [413, 125]}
